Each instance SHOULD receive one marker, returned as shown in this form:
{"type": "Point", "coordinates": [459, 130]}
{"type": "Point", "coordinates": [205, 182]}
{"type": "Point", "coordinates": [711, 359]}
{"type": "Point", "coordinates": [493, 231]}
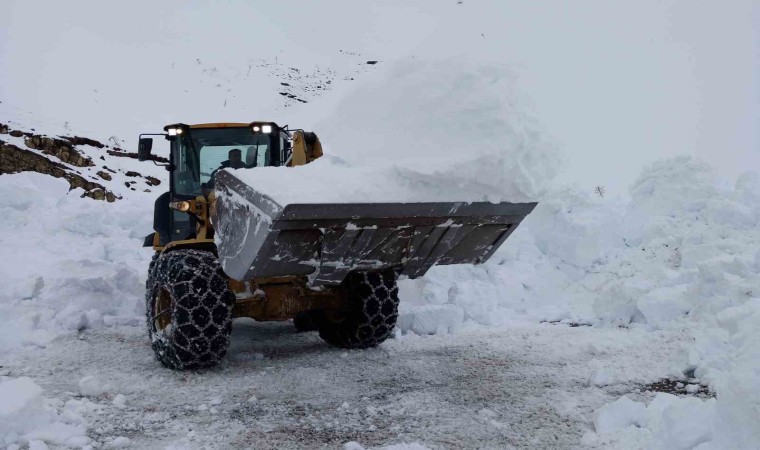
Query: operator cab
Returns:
{"type": "Point", "coordinates": [198, 152]}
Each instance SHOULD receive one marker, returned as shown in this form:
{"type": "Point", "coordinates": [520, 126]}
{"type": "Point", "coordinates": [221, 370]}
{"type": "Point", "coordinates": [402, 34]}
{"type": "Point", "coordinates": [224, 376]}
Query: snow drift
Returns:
{"type": "Point", "coordinates": [70, 263]}
{"type": "Point", "coordinates": [683, 253]}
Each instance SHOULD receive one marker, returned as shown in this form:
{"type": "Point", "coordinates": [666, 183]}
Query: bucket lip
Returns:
{"type": "Point", "coordinates": [454, 210]}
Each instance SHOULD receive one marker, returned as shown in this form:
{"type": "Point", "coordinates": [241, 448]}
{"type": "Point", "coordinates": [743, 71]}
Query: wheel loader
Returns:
{"type": "Point", "coordinates": [224, 250]}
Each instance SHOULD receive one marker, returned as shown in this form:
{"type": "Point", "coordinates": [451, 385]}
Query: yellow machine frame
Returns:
{"type": "Point", "coordinates": [279, 298]}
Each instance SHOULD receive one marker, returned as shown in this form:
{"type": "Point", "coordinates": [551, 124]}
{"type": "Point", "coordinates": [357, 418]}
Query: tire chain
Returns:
{"type": "Point", "coordinates": [201, 309]}
{"type": "Point", "coordinates": [370, 325]}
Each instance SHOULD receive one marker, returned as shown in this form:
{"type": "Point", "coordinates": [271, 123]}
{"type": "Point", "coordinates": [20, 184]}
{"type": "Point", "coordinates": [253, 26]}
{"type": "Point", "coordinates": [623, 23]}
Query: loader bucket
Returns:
{"type": "Point", "coordinates": [258, 238]}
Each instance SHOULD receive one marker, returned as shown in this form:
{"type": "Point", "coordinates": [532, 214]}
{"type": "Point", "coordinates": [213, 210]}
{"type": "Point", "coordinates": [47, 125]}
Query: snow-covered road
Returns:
{"type": "Point", "coordinates": [526, 386]}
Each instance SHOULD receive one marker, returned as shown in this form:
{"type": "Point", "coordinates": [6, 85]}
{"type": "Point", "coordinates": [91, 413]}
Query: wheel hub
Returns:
{"type": "Point", "coordinates": [162, 310]}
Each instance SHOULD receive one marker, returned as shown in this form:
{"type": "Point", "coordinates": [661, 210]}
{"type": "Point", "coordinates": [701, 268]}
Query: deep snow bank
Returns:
{"type": "Point", "coordinates": [448, 130]}
{"type": "Point", "coordinates": [68, 263]}
{"type": "Point", "coordinates": [683, 253]}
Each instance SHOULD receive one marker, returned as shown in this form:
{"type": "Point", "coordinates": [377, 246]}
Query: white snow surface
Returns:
{"type": "Point", "coordinates": [71, 264]}
{"type": "Point", "coordinates": [683, 256]}
{"type": "Point", "coordinates": [28, 418]}
{"type": "Point", "coordinates": [677, 264]}
{"type": "Point", "coordinates": [474, 141]}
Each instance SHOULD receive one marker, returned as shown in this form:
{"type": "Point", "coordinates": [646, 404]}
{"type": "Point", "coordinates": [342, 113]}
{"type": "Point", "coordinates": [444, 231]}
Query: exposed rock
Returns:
{"type": "Point", "coordinates": [14, 159]}
{"type": "Point", "coordinates": [77, 140]}
{"type": "Point", "coordinates": [152, 181]}
{"type": "Point", "coordinates": [105, 175]}
{"type": "Point", "coordinates": [59, 148]}
{"type": "Point", "coordinates": [16, 133]}
{"type": "Point", "coordinates": [97, 194]}
{"type": "Point", "coordinates": [3, 128]}
{"type": "Point", "coordinates": [131, 173]}
{"type": "Point", "coordinates": [134, 156]}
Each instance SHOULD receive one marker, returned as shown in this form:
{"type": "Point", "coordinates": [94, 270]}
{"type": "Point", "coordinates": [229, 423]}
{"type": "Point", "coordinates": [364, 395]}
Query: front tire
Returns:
{"type": "Point", "coordinates": [372, 318]}
{"type": "Point", "coordinates": [188, 309]}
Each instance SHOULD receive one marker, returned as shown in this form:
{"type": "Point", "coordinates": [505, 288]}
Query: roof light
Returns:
{"type": "Point", "coordinates": [266, 128]}
{"type": "Point", "coordinates": [172, 131]}
{"type": "Point", "coordinates": [179, 130]}
{"type": "Point", "coordinates": [256, 128]}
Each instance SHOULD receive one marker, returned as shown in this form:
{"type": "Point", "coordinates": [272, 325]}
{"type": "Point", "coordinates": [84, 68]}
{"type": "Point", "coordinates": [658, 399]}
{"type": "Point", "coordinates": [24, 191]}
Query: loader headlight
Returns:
{"type": "Point", "coordinates": [175, 129]}
{"type": "Point", "coordinates": [183, 206]}
{"type": "Point", "coordinates": [266, 129]}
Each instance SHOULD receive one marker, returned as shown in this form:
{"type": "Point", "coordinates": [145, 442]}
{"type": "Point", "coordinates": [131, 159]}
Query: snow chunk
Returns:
{"type": "Point", "coordinates": [602, 377]}
{"type": "Point", "coordinates": [121, 442]}
{"type": "Point", "coordinates": [685, 423]}
{"type": "Point", "coordinates": [618, 415]}
{"type": "Point", "coordinates": [18, 395]}
{"type": "Point", "coordinates": [119, 401]}
{"type": "Point", "coordinates": [92, 386]}
{"type": "Point", "coordinates": [38, 445]}
{"type": "Point", "coordinates": [27, 417]}
{"type": "Point", "coordinates": [430, 319]}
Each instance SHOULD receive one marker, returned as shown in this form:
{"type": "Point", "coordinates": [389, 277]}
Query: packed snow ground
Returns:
{"type": "Point", "coordinates": [494, 388]}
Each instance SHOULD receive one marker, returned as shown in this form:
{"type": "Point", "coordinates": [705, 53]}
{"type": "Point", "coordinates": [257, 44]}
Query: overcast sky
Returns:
{"type": "Point", "coordinates": [617, 83]}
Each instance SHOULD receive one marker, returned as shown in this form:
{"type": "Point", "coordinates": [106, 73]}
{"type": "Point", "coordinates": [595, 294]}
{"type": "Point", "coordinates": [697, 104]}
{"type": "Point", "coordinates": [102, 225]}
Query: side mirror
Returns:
{"type": "Point", "coordinates": [144, 148]}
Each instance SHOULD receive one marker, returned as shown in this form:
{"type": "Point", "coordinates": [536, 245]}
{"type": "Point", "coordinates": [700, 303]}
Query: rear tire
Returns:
{"type": "Point", "coordinates": [374, 300]}
{"type": "Point", "coordinates": [188, 309]}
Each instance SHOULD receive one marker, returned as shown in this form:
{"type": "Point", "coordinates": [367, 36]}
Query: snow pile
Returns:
{"type": "Point", "coordinates": [70, 263]}
{"type": "Point", "coordinates": [668, 422]}
{"type": "Point", "coordinates": [449, 130]}
{"type": "Point", "coordinates": [683, 253]}
{"type": "Point", "coordinates": [28, 418]}
{"type": "Point", "coordinates": [683, 248]}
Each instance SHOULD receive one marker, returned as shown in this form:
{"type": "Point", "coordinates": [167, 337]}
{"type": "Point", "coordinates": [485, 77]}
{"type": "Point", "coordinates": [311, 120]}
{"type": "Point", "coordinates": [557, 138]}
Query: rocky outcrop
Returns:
{"type": "Point", "coordinates": [59, 148]}
{"type": "Point", "coordinates": [47, 155]}
{"type": "Point", "coordinates": [122, 154]}
{"type": "Point", "coordinates": [14, 160]}
{"type": "Point", "coordinates": [76, 140]}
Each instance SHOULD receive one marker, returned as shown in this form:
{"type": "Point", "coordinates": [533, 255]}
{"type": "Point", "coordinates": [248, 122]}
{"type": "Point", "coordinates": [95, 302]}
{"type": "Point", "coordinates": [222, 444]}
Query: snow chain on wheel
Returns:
{"type": "Point", "coordinates": [374, 296]}
{"type": "Point", "coordinates": [188, 309]}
